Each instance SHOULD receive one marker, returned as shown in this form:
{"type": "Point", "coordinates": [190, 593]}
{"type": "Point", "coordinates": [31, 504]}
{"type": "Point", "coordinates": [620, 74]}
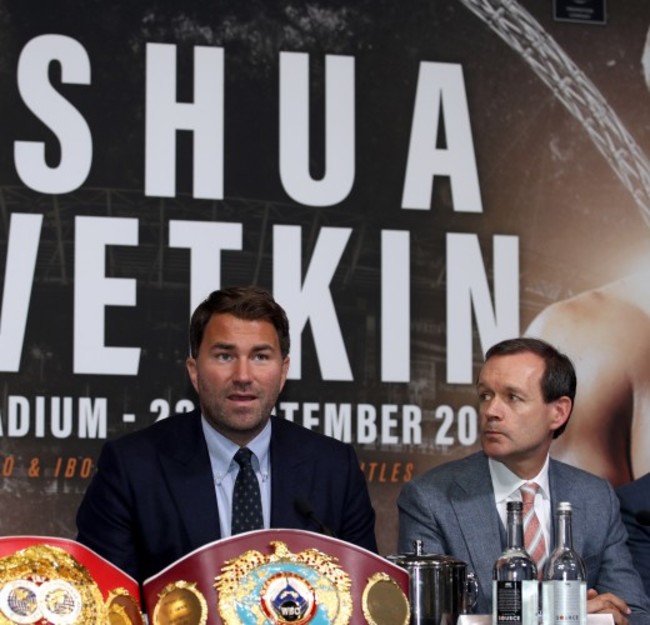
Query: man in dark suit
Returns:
{"type": "Point", "coordinates": [168, 489]}
{"type": "Point", "coordinates": [526, 390]}
{"type": "Point", "coordinates": [635, 501]}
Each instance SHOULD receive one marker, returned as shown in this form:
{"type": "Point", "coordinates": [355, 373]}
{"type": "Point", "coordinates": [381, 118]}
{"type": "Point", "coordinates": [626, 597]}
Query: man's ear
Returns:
{"type": "Point", "coordinates": [285, 371]}
{"type": "Point", "coordinates": [562, 410]}
{"type": "Point", "coordinates": [190, 364]}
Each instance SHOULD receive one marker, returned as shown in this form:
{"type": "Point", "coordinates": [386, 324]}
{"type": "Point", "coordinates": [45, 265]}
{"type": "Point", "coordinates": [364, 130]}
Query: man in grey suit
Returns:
{"type": "Point", "coordinates": [526, 390]}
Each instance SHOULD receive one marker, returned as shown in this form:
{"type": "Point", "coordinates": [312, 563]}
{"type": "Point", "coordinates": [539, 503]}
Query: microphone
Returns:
{"type": "Point", "coordinates": [304, 508]}
{"type": "Point", "coordinates": [643, 517]}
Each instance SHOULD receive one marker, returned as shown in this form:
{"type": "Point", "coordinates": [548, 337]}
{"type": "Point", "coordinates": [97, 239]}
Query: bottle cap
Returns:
{"type": "Point", "coordinates": [564, 506]}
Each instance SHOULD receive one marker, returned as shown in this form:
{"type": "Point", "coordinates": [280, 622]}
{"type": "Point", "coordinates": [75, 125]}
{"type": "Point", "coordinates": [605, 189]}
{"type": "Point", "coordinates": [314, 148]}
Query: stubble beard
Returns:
{"type": "Point", "coordinates": [236, 422]}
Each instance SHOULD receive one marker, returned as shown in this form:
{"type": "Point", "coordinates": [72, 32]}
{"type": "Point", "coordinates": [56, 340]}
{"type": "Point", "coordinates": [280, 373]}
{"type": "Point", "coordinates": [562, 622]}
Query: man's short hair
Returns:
{"type": "Point", "coordinates": [559, 377]}
{"type": "Point", "coordinates": [250, 303]}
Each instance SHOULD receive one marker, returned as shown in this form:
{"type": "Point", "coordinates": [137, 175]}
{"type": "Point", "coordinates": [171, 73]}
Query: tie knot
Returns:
{"type": "Point", "coordinates": [243, 457]}
{"type": "Point", "coordinates": [528, 492]}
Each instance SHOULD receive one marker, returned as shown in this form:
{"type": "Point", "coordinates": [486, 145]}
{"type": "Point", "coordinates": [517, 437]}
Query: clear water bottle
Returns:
{"type": "Point", "coordinates": [564, 589]}
{"type": "Point", "coordinates": [515, 589]}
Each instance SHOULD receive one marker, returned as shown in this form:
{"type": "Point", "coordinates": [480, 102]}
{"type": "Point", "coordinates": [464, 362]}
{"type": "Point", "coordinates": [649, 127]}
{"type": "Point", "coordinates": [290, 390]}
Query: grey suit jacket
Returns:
{"type": "Point", "coordinates": [451, 509]}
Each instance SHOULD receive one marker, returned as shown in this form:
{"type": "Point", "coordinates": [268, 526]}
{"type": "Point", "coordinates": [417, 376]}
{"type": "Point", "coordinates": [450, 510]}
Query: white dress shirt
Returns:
{"type": "Point", "coordinates": [506, 488]}
{"type": "Point", "coordinates": [224, 471]}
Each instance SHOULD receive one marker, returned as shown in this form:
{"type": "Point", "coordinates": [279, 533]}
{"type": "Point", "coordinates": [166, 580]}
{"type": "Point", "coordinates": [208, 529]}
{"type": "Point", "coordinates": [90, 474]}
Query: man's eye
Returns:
{"type": "Point", "coordinates": [261, 356]}
{"type": "Point", "coordinates": [223, 357]}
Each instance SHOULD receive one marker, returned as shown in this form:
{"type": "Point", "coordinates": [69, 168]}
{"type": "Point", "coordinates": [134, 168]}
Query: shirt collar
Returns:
{"type": "Point", "coordinates": [222, 450]}
{"type": "Point", "coordinates": [506, 484]}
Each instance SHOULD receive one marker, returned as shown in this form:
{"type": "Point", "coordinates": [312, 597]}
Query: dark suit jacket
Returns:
{"type": "Point", "coordinates": [634, 498]}
{"type": "Point", "coordinates": [153, 500]}
{"type": "Point", "coordinates": [451, 509]}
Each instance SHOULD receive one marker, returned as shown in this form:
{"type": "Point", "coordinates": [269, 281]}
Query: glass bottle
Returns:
{"type": "Point", "coordinates": [515, 589]}
{"type": "Point", "coordinates": [564, 589]}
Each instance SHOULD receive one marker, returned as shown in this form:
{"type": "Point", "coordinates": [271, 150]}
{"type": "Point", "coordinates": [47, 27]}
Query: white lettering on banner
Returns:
{"type": "Point", "coordinates": [311, 300]}
{"type": "Point", "coordinates": [466, 422]}
{"type": "Point", "coordinates": [93, 291]}
{"type": "Point", "coordinates": [63, 119]}
{"type": "Point", "coordinates": [366, 424]}
{"type": "Point", "coordinates": [205, 240]}
{"type": "Point", "coordinates": [467, 425]}
{"type": "Point", "coordinates": [165, 116]}
{"type": "Point", "coordinates": [440, 98]}
{"type": "Point", "coordinates": [441, 87]}
{"type": "Point", "coordinates": [395, 306]}
{"type": "Point", "coordinates": [22, 249]}
{"type": "Point", "coordinates": [163, 408]}
{"type": "Point", "coordinates": [308, 410]}
{"type": "Point", "coordinates": [468, 290]}
{"type": "Point", "coordinates": [338, 421]}
{"type": "Point", "coordinates": [363, 424]}
{"type": "Point", "coordinates": [389, 424]}
{"type": "Point", "coordinates": [88, 421]}
{"type": "Point", "coordinates": [337, 181]}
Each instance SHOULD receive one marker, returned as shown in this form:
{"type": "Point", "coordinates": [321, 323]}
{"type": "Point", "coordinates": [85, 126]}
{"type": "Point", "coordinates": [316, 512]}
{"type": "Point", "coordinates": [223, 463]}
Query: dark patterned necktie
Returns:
{"type": "Point", "coordinates": [246, 498]}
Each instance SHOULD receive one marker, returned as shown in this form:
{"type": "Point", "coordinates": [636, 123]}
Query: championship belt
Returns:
{"type": "Point", "coordinates": [54, 581]}
{"type": "Point", "coordinates": [279, 577]}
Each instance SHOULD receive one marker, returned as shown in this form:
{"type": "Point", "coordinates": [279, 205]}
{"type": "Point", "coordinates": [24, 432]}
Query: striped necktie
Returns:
{"type": "Point", "coordinates": [533, 535]}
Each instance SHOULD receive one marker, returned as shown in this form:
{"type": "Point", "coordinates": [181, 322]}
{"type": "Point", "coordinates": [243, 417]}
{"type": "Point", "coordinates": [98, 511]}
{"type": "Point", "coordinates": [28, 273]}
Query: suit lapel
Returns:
{"type": "Point", "coordinates": [287, 479]}
{"type": "Point", "coordinates": [484, 535]}
{"type": "Point", "coordinates": [563, 488]}
{"type": "Point", "coordinates": [186, 470]}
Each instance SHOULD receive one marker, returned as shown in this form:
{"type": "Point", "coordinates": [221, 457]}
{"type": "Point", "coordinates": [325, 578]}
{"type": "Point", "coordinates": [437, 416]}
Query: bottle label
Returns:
{"type": "Point", "coordinates": [515, 602]}
{"type": "Point", "coordinates": [507, 602]}
{"type": "Point", "coordinates": [564, 602]}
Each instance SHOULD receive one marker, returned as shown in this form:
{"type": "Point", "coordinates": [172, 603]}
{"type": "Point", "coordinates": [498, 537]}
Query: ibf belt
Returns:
{"type": "Point", "coordinates": [45, 585]}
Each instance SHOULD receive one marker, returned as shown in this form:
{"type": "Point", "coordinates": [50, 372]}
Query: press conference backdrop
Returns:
{"type": "Point", "coordinates": [414, 181]}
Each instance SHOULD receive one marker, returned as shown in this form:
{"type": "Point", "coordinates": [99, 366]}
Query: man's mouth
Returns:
{"type": "Point", "coordinates": [241, 397]}
{"type": "Point", "coordinates": [492, 433]}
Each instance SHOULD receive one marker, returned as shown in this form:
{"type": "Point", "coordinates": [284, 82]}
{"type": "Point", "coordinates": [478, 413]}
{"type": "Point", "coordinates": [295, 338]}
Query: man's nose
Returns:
{"type": "Point", "coordinates": [242, 371]}
{"type": "Point", "coordinates": [493, 408]}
